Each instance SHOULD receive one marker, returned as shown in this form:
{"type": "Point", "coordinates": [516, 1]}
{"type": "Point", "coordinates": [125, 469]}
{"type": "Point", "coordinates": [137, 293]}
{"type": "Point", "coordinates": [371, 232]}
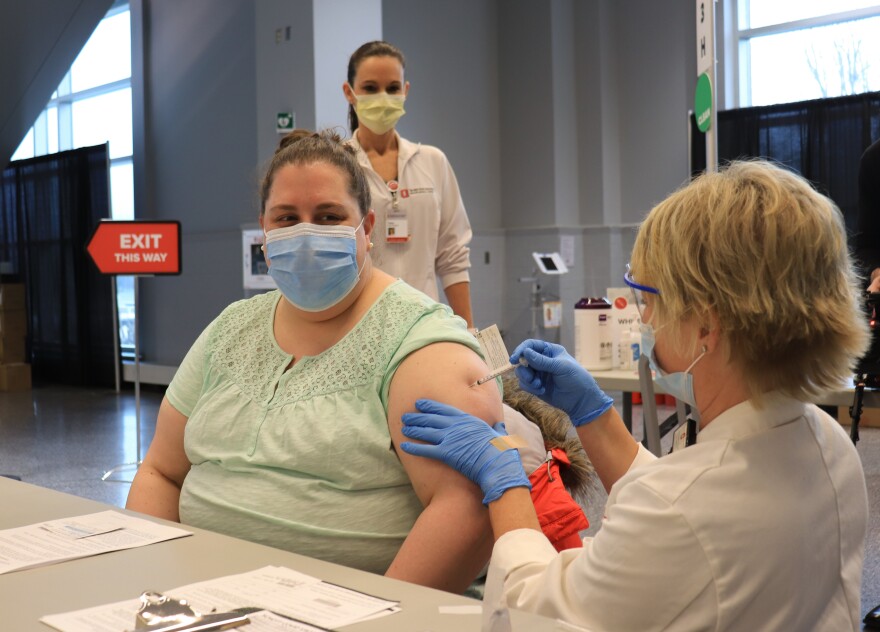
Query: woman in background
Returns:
{"type": "Point", "coordinates": [422, 229]}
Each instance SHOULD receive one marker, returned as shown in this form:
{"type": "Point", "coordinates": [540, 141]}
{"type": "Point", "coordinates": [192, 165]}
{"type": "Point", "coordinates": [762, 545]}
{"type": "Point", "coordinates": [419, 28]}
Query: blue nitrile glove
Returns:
{"type": "Point", "coordinates": [558, 379]}
{"type": "Point", "coordinates": [461, 441]}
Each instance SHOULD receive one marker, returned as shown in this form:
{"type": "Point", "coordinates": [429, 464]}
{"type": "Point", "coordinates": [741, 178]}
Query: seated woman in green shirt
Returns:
{"type": "Point", "coordinates": [282, 425]}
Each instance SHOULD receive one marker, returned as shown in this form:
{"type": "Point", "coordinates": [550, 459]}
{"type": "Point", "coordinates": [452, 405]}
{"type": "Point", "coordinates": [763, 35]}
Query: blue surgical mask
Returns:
{"type": "Point", "coordinates": [314, 266]}
{"type": "Point", "coordinates": [680, 384]}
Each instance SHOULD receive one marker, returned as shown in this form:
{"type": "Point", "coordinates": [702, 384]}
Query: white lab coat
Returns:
{"type": "Point", "coordinates": [759, 526]}
{"type": "Point", "coordinates": [438, 224]}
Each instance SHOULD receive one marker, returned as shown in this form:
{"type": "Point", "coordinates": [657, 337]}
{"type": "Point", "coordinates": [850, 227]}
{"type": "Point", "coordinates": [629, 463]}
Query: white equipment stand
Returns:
{"type": "Point", "coordinates": [137, 392]}
{"type": "Point", "coordinates": [549, 263]}
{"type": "Point", "coordinates": [135, 248]}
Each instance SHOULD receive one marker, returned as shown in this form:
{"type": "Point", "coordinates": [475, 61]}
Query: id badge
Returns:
{"type": "Point", "coordinates": [396, 228]}
{"type": "Point", "coordinates": [685, 435]}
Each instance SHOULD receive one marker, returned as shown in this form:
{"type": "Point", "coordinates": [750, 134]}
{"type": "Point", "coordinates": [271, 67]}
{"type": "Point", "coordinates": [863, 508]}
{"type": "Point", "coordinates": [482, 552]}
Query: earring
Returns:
{"type": "Point", "coordinates": [705, 349]}
{"type": "Point", "coordinates": [370, 246]}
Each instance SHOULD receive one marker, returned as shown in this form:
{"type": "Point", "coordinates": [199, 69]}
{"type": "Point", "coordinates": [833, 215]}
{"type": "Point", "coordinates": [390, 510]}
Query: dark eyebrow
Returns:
{"type": "Point", "coordinates": [282, 207]}
{"type": "Point", "coordinates": [325, 206]}
{"type": "Point", "coordinates": [329, 205]}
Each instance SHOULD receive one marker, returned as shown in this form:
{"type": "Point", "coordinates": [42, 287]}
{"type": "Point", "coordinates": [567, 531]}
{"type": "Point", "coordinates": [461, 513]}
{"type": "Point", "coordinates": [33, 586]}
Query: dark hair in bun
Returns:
{"type": "Point", "coordinates": [305, 147]}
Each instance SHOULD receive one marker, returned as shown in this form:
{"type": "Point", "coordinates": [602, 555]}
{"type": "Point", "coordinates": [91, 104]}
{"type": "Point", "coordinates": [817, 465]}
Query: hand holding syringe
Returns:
{"type": "Point", "coordinates": [501, 371]}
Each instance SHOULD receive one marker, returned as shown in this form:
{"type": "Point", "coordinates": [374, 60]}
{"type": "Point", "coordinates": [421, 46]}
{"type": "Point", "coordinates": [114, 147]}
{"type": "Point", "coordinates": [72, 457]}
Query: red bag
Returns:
{"type": "Point", "coordinates": [560, 516]}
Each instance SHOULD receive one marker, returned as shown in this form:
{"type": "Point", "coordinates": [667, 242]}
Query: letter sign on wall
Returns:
{"type": "Point", "coordinates": [705, 35]}
{"type": "Point", "coordinates": [136, 248]}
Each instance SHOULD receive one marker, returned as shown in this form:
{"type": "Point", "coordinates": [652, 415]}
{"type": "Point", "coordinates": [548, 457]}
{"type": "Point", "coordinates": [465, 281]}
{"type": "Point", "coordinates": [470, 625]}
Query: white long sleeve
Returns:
{"type": "Point", "coordinates": [759, 526]}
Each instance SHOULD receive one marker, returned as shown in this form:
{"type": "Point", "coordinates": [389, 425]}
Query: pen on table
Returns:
{"type": "Point", "coordinates": [501, 371]}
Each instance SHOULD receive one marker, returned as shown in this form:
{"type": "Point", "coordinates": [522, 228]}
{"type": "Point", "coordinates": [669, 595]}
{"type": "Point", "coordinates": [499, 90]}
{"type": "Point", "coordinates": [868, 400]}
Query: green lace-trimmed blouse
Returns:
{"type": "Point", "coordinates": [301, 459]}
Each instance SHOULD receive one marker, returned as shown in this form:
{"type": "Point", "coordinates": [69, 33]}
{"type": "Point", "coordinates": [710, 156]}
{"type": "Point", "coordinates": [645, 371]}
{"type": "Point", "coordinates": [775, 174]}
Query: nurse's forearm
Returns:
{"type": "Point", "coordinates": [609, 446]}
{"type": "Point", "coordinates": [459, 297]}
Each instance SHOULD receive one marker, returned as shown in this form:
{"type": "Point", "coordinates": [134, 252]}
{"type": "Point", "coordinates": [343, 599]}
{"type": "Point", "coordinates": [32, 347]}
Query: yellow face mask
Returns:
{"type": "Point", "coordinates": [379, 112]}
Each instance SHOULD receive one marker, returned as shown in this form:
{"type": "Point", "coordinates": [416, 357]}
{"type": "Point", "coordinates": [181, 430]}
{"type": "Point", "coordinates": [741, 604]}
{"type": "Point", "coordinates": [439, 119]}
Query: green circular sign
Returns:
{"type": "Point", "coordinates": [703, 103]}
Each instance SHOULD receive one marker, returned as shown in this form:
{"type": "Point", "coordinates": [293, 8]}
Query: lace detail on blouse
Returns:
{"type": "Point", "coordinates": [243, 348]}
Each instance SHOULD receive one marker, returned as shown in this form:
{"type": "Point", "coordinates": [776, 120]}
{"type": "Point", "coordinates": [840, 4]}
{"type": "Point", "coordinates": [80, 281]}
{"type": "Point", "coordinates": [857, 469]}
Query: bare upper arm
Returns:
{"type": "Point", "coordinates": [166, 454]}
{"type": "Point", "coordinates": [442, 371]}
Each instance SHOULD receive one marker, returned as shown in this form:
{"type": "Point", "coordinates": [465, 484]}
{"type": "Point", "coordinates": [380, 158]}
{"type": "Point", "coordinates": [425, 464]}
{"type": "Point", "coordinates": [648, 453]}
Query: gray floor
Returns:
{"type": "Point", "coordinates": [66, 439]}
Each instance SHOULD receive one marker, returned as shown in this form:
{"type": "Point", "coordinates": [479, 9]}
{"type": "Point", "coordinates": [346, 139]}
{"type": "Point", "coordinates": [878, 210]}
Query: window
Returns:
{"type": "Point", "coordinates": [92, 106]}
{"type": "Point", "coordinates": [795, 50]}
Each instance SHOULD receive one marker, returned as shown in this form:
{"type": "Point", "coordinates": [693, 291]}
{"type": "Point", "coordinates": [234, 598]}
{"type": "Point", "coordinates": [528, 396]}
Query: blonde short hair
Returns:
{"type": "Point", "coordinates": [755, 246]}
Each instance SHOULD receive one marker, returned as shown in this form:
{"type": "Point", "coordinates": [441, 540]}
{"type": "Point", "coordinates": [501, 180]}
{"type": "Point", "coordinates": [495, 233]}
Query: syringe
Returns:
{"type": "Point", "coordinates": [501, 371]}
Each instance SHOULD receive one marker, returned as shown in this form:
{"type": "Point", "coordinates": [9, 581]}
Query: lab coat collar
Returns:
{"type": "Point", "coordinates": [405, 150]}
{"type": "Point", "coordinates": [745, 419]}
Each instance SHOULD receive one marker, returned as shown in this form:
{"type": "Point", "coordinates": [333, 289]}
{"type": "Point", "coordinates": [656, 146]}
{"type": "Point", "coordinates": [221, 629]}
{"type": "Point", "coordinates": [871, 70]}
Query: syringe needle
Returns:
{"type": "Point", "coordinates": [501, 371]}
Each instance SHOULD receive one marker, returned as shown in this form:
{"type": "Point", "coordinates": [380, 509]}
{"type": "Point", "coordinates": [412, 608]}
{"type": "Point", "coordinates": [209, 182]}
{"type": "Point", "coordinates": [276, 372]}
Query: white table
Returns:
{"type": "Point", "coordinates": [638, 381]}
{"type": "Point", "coordinates": [628, 382]}
{"type": "Point", "coordinates": [27, 595]}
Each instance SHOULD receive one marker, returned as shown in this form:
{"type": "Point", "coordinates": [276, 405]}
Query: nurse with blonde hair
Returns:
{"type": "Point", "coordinates": [750, 311]}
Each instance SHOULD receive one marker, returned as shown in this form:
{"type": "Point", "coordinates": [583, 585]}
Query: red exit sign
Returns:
{"type": "Point", "coordinates": [136, 247]}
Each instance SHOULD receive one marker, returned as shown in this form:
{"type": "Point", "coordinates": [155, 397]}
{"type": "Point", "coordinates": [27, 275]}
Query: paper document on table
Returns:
{"type": "Point", "coordinates": [264, 621]}
{"type": "Point", "coordinates": [274, 588]}
{"type": "Point", "coordinates": [80, 536]}
{"type": "Point", "coordinates": [101, 619]}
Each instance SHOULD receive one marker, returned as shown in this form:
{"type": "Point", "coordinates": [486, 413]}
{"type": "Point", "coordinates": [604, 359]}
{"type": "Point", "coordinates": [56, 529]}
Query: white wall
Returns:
{"type": "Point", "coordinates": [340, 27]}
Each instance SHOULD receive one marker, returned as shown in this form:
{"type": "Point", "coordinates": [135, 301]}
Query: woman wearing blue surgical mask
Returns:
{"type": "Point", "coordinates": [750, 310]}
{"type": "Point", "coordinates": [282, 424]}
{"type": "Point", "coordinates": [421, 229]}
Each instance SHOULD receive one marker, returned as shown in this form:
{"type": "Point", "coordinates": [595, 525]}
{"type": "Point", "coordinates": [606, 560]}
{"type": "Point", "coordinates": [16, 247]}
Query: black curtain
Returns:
{"type": "Point", "coordinates": [822, 140]}
{"type": "Point", "coordinates": [49, 207]}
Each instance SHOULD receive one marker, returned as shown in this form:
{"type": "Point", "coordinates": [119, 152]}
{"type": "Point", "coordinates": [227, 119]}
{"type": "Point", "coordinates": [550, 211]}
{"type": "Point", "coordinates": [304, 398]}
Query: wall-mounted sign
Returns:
{"type": "Point", "coordinates": [284, 122]}
{"type": "Point", "coordinates": [256, 270]}
{"type": "Point", "coordinates": [136, 248]}
{"type": "Point", "coordinates": [705, 35]}
{"type": "Point", "coordinates": [703, 103]}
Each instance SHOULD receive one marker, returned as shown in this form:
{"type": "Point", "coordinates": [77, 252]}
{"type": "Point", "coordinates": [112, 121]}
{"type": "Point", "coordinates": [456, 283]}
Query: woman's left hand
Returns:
{"type": "Point", "coordinates": [462, 442]}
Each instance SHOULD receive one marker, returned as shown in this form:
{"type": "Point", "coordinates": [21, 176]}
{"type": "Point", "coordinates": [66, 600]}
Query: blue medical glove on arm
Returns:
{"type": "Point", "coordinates": [461, 441]}
{"type": "Point", "coordinates": [557, 378]}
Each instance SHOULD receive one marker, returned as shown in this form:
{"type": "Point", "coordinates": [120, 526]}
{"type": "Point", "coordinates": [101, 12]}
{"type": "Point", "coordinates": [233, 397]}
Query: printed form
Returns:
{"type": "Point", "coordinates": [81, 536]}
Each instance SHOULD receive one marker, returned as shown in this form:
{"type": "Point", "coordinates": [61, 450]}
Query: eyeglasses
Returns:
{"type": "Point", "coordinates": [638, 291]}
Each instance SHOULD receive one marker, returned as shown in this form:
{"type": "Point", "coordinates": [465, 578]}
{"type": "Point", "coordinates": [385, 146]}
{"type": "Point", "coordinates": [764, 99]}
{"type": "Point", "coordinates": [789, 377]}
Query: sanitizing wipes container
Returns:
{"type": "Point", "coordinates": [593, 334]}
